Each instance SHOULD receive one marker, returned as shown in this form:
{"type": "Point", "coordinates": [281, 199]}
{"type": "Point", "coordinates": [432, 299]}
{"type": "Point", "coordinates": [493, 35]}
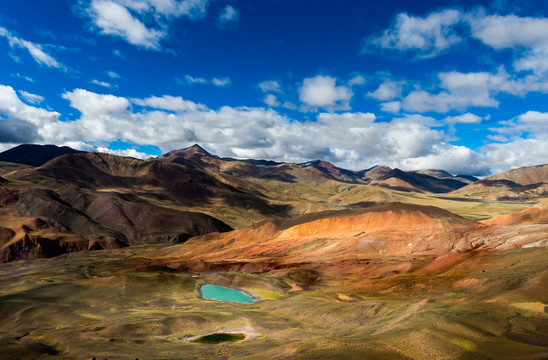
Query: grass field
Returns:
{"type": "Point", "coordinates": [125, 304]}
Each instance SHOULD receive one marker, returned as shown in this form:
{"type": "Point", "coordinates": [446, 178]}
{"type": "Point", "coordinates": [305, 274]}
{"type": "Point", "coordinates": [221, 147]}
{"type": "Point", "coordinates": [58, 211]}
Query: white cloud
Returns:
{"type": "Point", "coordinates": [141, 22]}
{"type": "Point", "coordinates": [221, 82]}
{"type": "Point", "coordinates": [535, 60]}
{"type": "Point", "coordinates": [426, 36]}
{"type": "Point", "coordinates": [457, 160]}
{"type": "Point", "coordinates": [193, 80]}
{"type": "Point", "coordinates": [228, 17]}
{"type": "Point", "coordinates": [23, 77]}
{"type": "Point", "coordinates": [357, 80]}
{"type": "Point", "coordinates": [461, 91]}
{"type": "Point", "coordinates": [90, 103]}
{"type": "Point", "coordinates": [467, 118]}
{"type": "Point", "coordinates": [524, 141]}
{"type": "Point", "coordinates": [464, 90]}
{"type": "Point", "coordinates": [271, 100]}
{"type": "Point", "coordinates": [534, 123]}
{"type": "Point", "coordinates": [22, 122]}
{"type": "Point", "coordinates": [170, 103]}
{"type": "Point", "coordinates": [290, 105]}
{"type": "Point", "coordinates": [114, 19]}
{"type": "Point", "coordinates": [516, 153]}
{"type": "Point", "coordinates": [388, 90]}
{"type": "Point", "coordinates": [510, 31]}
{"type": "Point", "coordinates": [113, 75]}
{"type": "Point", "coordinates": [514, 32]}
{"type": "Point", "coordinates": [11, 105]}
{"type": "Point", "coordinates": [391, 106]}
{"type": "Point", "coordinates": [31, 98]}
{"type": "Point", "coordinates": [192, 8]}
{"type": "Point", "coordinates": [195, 9]}
{"type": "Point", "coordinates": [352, 140]}
{"type": "Point", "coordinates": [101, 83]}
{"type": "Point", "coordinates": [35, 50]}
{"type": "Point", "coordinates": [322, 92]}
{"type": "Point", "coordinates": [270, 86]}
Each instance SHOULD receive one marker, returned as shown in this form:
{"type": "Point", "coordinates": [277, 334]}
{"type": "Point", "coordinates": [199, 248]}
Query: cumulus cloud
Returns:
{"type": "Point", "coordinates": [388, 90]}
{"type": "Point", "coordinates": [535, 60]}
{"type": "Point", "coordinates": [21, 122]}
{"type": "Point", "coordinates": [350, 139]}
{"type": "Point", "coordinates": [527, 34]}
{"type": "Point", "coordinates": [516, 153]}
{"type": "Point", "coordinates": [271, 100]}
{"type": "Point", "coordinates": [270, 86]}
{"type": "Point", "coordinates": [510, 31]}
{"type": "Point", "coordinates": [531, 123]}
{"type": "Point", "coordinates": [426, 36]}
{"type": "Point", "coordinates": [523, 141]}
{"type": "Point", "coordinates": [461, 91]}
{"type": "Point", "coordinates": [457, 160]}
{"type": "Point", "coordinates": [322, 92]}
{"type": "Point", "coordinates": [391, 107]}
{"type": "Point", "coordinates": [35, 50]}
{"type": "Point", "coordinates": [11, 105]}
{"type": "Point", "coordinates": [114, 19]}
{"type": "Point", "coordinates": [467, 118]}
{"type": "Point", "coordinates": [141, 22]}
{"type": "Point", "coordinates": [431, 35]}
{"type": "Point", "coordinates": [228, 17]}
{"type": "Point", "coordinates": [357, 80]}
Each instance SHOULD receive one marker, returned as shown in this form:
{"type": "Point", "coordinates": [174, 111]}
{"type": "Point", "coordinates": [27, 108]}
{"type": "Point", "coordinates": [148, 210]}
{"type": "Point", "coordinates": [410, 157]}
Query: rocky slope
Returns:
{"type": "Point", "coordinates": [393, 229]}
{"type": "Point", "coordinates": [522, 184]}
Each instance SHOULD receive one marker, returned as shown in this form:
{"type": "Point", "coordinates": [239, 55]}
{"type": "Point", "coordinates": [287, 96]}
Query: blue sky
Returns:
{"type": "Point", "coordinates": [454, 85]}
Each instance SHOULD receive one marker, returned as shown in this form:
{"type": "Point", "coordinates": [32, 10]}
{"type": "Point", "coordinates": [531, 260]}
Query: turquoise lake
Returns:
{"type": "Point", "coordinates": [220, 293]}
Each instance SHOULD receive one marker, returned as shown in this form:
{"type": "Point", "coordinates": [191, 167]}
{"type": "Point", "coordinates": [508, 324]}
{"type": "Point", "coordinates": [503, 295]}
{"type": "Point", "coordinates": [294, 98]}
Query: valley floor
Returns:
{"type": "Point", "coordinates": [128, 303]}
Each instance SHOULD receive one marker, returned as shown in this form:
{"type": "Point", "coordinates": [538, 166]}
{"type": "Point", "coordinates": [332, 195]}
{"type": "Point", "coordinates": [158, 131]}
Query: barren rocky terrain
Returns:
{"type": "Point", "coordinates": [104, 256]}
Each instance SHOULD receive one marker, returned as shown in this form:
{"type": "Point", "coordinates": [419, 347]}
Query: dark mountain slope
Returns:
{"type": "Point", "coordinates": [35, 155]}
{"type": "Point", "coordinates": [522, 184]}
{"type": "Point", "coordinates": [412, 181]}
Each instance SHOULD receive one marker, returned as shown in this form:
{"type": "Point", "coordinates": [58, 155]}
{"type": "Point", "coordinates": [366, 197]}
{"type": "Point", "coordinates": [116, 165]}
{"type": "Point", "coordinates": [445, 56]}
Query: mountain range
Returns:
{"type": "Point", "coordinates": [378, 264]}
{"type": "Point", "coordinates": [71, 200]}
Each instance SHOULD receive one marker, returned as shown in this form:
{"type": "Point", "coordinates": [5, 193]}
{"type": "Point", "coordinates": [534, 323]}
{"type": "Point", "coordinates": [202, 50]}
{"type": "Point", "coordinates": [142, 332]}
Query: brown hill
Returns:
{"type": "Point", "coordinates": [30, 237]}
{"type": "Point", "coordinates": [441, 174]}
{"type": "Point", "coordinates": [318, 172]}
{"type": "Point", "coordinates": [418, 182]}
{"type": "Point", "coordinates": [537, 214]}
{"type": "Point", "coordinates": [334, 172]}
{"type": "Point", "coordinates": [190, 192]}
{"type": "Point", "coordinates": [333, 236]}
{"type": "Point", "coordinates": [522, 184]}
{"type": "Point", "coordinates": [99, 195]}
{"type": "Point", "coordinates": [528, 175]}
{"type": "Point", "coordinates": [374, 173]}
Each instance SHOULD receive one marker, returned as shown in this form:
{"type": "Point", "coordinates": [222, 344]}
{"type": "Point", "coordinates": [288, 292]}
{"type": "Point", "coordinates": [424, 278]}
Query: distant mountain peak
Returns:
{"type": "Point", "coordinates": [196, 149]}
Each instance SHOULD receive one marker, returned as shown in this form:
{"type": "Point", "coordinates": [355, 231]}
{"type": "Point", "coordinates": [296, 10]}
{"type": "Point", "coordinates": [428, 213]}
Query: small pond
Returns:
{"type": "Point", "coordinates": [218, 338]}
{"type": "Point", "coordinates": [221, 293]}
